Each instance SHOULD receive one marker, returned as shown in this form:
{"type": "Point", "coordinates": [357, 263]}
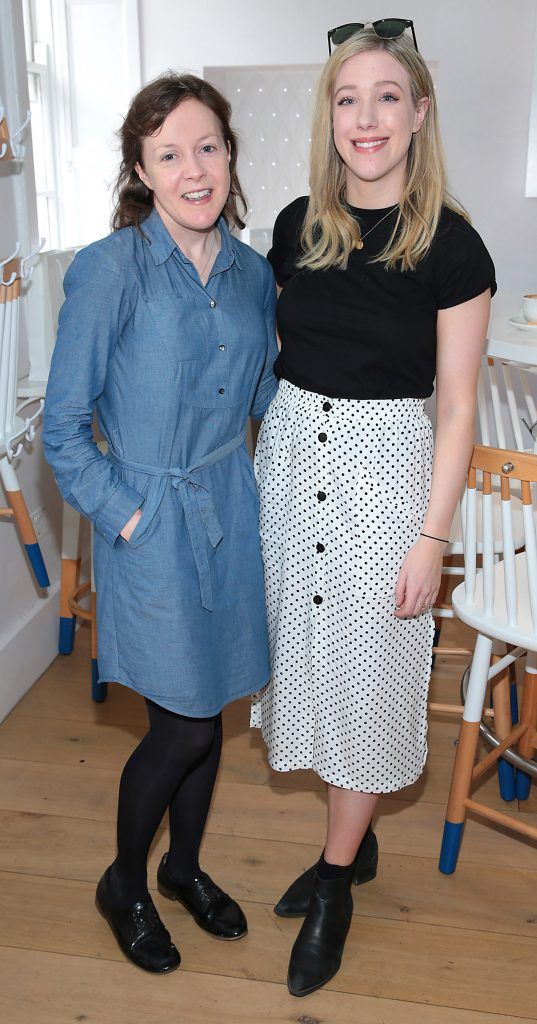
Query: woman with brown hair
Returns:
{"type": "Point", "coordinates": [385, 287]}
{"type": "Point", "coordinates": [167, 332]}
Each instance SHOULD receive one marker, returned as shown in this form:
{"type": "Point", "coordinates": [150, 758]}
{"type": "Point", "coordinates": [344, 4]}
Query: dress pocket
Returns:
{"type": "Point", "coordinates": [153, 493]}
{"type": "Point", "coordinates": [402, 480]}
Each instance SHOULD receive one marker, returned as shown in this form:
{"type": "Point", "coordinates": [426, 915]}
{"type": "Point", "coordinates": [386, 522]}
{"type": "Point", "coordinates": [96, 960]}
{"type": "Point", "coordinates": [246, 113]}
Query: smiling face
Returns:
{"type": "Point", "coordinates": [374, 118]}
{"type": "Point", "coordinates": [186, 165]}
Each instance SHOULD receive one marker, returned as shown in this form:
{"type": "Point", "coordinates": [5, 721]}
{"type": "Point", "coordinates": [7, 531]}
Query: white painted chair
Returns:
{"type": "Point", "coordinates": [506, 413]}
{"type": "Point", "coordinates": [506, 397]}
{"type": "Point", "coordinates": [14, 428]}
{"type": "Point", "coordinates": [499, 601]}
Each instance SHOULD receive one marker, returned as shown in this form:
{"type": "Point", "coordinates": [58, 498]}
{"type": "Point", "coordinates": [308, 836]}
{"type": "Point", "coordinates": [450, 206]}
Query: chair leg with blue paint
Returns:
{"type": "Point", "coordinates": [70, 574]}
{"type": "Point", "coordinates": [463, 769]}
{"type": "Point", "coordinates": [465, 772]}
{"type": "Point", "coordinates": [99, 690]}
{"type": "Point", "coordinates": [72, 593]}
{"type": "Point", "coordinates": [499, 600]}
{"type": "Point", "coordinates": [19, 511]}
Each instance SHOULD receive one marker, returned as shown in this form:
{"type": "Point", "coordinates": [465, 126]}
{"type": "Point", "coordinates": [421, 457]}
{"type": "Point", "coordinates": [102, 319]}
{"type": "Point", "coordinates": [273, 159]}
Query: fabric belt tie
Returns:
{"type": "Point", "coordinates": [200, 513]}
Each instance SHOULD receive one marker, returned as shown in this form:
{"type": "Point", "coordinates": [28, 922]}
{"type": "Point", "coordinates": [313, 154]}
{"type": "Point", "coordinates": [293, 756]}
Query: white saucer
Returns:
{"type": "Point", "coordinates": [522, 324]}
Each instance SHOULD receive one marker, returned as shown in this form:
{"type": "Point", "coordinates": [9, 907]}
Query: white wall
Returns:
{"type": "Point", "coordinates": [484, 50]}
{"type": "Point", "coordinates": [28, 615]}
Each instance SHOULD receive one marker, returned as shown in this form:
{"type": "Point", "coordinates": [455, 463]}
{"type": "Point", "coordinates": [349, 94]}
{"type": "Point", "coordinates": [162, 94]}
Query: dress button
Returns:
{"type": "Point", "coordinates": [322, 437]}
{"type": "Point", "coordinates": [327, 406]}
{"type": "Point", "coordinates": [320, 548]}
{"type": "Point", "coordinates": [321, 495]}
{"type": "Point", "coordinates": [222, 348]}
{"type": "Point", "coordinates": [221, 391]}
{"type": "Point", "coordinates": [317, 599]}
{"type": "Point", "coordinates": [212, 303]}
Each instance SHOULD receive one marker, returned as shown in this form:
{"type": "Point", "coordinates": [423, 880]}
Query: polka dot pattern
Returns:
{"type": "Point", "coordinates": [343, 487]}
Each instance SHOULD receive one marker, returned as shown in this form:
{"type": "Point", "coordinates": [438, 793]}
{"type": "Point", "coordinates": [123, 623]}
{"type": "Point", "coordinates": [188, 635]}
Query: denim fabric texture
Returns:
{"type": "Point", "coordinates": [173, 370]}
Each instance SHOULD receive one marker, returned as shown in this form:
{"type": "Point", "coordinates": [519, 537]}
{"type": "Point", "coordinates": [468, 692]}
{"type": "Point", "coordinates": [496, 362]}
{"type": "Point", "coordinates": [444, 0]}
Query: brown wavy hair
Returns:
{"type": "Point", "coordinates": [147, 113]}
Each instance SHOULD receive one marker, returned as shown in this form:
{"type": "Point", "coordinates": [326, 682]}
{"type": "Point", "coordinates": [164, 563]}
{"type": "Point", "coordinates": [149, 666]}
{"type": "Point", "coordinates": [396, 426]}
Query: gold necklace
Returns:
{"type": "Point", "coordinates": [206, 264]}
{"type": "Point", "coordinates": [360, 244]}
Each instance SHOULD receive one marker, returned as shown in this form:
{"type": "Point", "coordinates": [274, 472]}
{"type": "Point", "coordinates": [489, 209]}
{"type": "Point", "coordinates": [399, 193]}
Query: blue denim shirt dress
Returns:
{"type": "Point", "coordinates": [173, 370]}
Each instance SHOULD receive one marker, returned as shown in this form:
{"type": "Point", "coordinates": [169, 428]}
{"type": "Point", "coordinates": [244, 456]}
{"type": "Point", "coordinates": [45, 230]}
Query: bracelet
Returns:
{"type": "Point", "coordinates": [430, 536]}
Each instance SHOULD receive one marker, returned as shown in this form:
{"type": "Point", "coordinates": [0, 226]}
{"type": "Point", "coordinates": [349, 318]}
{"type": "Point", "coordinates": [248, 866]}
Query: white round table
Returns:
{"type": "Point", "coordinates": [507, 342]}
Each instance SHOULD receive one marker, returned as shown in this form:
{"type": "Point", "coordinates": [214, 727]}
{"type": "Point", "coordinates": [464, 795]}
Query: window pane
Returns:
{"type": "Point", "coordinates": [28, 29]}
{"type": "Point", "coordinates": [38, 132]}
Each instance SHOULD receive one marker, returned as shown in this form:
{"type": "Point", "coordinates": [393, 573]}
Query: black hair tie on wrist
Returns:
{"type": "Point", "coordinates": [430, 536]}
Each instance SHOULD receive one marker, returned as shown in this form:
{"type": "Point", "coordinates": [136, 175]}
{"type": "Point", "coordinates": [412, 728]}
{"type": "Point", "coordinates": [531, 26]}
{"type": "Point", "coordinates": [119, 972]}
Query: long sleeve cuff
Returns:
{"type": "Point", "coordinates": [265, 393]}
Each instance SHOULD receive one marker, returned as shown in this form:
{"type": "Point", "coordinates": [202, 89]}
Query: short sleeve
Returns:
{"type": "Point", "coordinates": [285, 240]}
{"type": "Point", "coordinates": [464, 268]}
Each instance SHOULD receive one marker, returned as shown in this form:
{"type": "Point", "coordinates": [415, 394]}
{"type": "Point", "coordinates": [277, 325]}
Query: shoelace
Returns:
{"type": "Point", "coordinates": [146, 921]}
{"type": "Point", "coordinates": [209, 890]}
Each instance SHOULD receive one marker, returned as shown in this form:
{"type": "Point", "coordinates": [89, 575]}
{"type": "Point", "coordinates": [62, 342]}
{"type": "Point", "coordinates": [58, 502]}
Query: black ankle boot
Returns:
{"type": "Point", "coordinates": [316, 954]}
{"type": "Point", "coordinates": [295, 902]}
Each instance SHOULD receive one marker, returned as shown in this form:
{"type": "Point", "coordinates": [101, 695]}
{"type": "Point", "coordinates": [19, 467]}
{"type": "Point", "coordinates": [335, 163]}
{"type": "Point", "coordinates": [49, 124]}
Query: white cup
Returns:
{"type": "Point", "coordinates": [529, 308]}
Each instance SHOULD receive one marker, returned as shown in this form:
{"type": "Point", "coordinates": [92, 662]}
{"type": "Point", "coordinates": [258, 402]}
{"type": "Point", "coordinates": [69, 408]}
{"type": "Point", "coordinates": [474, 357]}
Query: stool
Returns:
{"type": "Point", "coordinates": [72, 592]}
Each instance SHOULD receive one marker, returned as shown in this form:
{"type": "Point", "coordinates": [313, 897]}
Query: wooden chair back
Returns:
{"type": "Point", "coordinates": [509, 466]}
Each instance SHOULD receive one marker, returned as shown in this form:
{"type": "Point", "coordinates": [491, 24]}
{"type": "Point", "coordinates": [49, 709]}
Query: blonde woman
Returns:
{"type": "Point", "coordinates": [386, 287]}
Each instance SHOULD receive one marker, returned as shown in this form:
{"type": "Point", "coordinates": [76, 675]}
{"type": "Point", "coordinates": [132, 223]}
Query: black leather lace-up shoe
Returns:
{"type": "Point", "coordinates": [211, 907]}
{"type": "Point", "coordinates": [139, 931]}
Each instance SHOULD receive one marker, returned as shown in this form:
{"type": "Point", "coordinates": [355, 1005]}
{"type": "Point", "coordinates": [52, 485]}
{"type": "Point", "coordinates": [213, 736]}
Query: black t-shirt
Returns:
{"type": "Point", "coordinates": [367, 332]}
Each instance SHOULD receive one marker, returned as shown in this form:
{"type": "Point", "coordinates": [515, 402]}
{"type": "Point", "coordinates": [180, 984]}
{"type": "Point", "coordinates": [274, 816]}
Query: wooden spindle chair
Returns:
{"type": "Point", "coordinates": [498, 600]}
{"type": "Point", "coordinates": [506, 408]}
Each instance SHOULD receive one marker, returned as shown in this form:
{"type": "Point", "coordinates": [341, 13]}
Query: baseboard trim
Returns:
{"type": "Point", "coordinates": [29, 650]}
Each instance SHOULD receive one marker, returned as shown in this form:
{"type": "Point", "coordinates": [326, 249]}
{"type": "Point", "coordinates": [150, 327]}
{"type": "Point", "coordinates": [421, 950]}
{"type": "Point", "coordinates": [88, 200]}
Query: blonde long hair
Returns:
{"type": "Point", "coordinates": [330, 233]}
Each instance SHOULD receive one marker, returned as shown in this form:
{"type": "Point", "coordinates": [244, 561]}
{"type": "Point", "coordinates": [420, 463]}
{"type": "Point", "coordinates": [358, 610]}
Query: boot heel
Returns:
{"type": "Point", "coordinates": [363, 875]}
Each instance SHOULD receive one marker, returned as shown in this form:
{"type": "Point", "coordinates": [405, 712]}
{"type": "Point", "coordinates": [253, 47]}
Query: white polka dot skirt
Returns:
{"type": "Point", "coordinates": [343, 486]}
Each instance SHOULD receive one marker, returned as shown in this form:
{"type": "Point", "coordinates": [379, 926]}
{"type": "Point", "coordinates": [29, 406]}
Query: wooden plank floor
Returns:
{"type": "Point", "coordinates": [423, 948]}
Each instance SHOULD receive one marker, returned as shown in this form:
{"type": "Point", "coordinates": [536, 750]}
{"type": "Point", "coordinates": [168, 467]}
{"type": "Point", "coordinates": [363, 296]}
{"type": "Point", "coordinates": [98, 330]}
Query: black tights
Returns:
{"type": "Point", "coordinates": [174, 766]}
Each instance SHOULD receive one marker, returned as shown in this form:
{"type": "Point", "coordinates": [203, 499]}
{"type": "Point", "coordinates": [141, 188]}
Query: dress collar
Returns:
{"type": "Point", "coordinates": [162, 245]}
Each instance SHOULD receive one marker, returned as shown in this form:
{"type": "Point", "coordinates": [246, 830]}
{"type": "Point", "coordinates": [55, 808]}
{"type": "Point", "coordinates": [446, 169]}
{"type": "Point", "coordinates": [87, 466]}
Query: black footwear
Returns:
{"type": "Point", "coordinates": [139, 931]}
{"type": "Point", "coordinates": [209, 905]}
{"type": "Point", "coordinates": [316, 954]}
{"type": "Point", "coordinates": [295, 902]}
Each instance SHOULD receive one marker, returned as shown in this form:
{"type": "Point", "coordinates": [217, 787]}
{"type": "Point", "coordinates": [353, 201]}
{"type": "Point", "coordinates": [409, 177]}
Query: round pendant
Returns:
{"type": "Point", "coordinates": [359, 245]}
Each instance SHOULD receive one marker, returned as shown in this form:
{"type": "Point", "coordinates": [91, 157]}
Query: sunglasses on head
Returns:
{"type": "Point", "coordinates": [386, 28]}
